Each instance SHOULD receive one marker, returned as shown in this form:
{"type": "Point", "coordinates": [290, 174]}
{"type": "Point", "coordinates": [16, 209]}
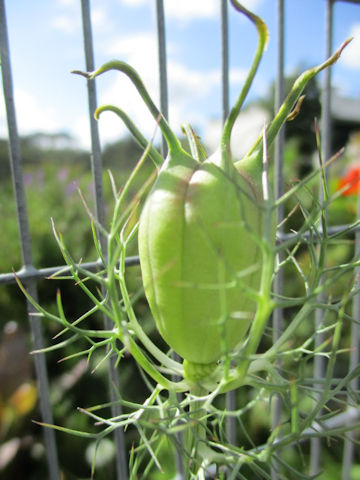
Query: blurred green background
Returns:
{"type": "Point", "coordinates": [52, 174]}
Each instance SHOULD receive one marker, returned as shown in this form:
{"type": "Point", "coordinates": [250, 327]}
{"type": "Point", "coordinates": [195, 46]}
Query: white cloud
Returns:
{"type": "Point", "coordinates": [67, 2]}
{"type": "Point", "coordinates": [32, 115]}
{"type": "Point", "coordinates": [237, 75]}
{"type": "Point", "coordinates": [188, 89]}
{"type": "Point", "coordinates": [133, 46]}
{"type": "Point", "coordinates": [67, 24]}
{"type": "Point", "coordinates": [190, 9]}
{"type": "Point", "coordinates": [69, 20]}
{"type": "Point", "coordinates": [246, 130]}
{"type": "Point", "coordinates": [351, 55]}
{"type": "Point", "coordinates": [81, 130]}
{"type": "Point", "coordinates": [134, 3]}
{"type": "Point", "coordinates": [187, 10]}
{"type": "Point", "coordinates": [184, 82]}
{"type": "Point", "coordinates": [100, 18]}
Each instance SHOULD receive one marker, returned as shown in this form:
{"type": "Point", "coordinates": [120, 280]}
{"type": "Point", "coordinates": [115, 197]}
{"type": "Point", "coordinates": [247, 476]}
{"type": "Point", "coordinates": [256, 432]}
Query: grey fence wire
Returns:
{"type": "Point", "coordinates": [96, 166]}
{"type": "Point", "coordinates": [319, 364]}
{"type": "Point", "coordinates": [25, 241]}
{"type": "Point", "coordinates": [31, 275]}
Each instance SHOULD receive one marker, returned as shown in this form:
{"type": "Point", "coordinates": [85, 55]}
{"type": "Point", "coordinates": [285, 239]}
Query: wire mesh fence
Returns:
{"type": "Point", "coordinates": [31, 276]}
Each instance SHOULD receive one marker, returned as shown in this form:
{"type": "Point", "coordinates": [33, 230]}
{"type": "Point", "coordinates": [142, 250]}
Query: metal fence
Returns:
{"type": "Point", "coordinates": [30, 275]}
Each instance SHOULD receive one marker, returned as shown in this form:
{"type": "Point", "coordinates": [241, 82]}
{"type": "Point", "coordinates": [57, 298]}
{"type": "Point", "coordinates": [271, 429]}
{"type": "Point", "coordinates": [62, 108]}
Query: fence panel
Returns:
{"type": "Point", "coordinates": [31, 276]}
{"type": "Point", "coordinates": [25, 242]}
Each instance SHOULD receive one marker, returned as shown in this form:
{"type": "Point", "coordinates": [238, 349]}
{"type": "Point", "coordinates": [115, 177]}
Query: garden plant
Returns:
{"type": "Point", "coordinates": [209, 249]}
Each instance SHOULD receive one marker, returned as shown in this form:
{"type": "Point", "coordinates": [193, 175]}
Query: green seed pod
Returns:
{"type": "Point", "coordinates": [198, 248]}
{"type": "Point", "coordinates": [199, 255]}
{"type": "Point", "coordinates": [200, 228]}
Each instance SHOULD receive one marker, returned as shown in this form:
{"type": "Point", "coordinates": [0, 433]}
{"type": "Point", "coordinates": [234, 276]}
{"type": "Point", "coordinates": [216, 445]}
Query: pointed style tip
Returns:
{"type": "Point", "coordinates": [81, 73]}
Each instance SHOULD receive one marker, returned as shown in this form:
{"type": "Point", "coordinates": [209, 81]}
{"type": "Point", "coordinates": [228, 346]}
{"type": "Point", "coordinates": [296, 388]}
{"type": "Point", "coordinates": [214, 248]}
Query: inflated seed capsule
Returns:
{"type": "Point", "coordinates": [199, 256]}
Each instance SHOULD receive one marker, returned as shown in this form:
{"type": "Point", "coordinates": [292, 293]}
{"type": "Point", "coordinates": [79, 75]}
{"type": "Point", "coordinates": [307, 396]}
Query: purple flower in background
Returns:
{"type": "Point", "coordinates": [63, 174]}
{"type": "Point", "coordinates": [70, 189]}
{"type": "Point", "coordinates": [28, 179]}
{"type": "Point", "coordinates": [40, 178]}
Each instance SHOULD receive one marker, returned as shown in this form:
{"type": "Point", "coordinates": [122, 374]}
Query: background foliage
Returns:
{"type": "Point", "coordinates": [53, 171]}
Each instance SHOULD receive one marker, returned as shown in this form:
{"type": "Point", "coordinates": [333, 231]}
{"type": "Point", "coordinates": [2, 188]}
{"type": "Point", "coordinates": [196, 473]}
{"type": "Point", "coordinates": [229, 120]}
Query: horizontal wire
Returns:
{"type": "Point", "coordinates": [30, 273]}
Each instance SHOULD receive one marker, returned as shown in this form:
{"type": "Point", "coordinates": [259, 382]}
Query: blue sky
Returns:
{"type": "Point", "coordinates": [46, 44]}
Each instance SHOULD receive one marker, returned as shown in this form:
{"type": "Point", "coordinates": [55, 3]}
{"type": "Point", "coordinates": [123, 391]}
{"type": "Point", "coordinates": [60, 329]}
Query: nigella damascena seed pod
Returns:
{"type": "Point", "coordinates": [199, 255]}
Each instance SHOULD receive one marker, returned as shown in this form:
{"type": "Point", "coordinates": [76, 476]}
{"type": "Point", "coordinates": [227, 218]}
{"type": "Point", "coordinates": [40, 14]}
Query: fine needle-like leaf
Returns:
{"type": "Point", "coordinates": [57, 346]}
{"type": "Point", "coordinates": [77, 433]}
{"type": "Point", "coordinates": [91, 215]}
{"type": "Point", "coordinates": [79, 320]}
{"type": "Point", "coordinates": [82, 331]}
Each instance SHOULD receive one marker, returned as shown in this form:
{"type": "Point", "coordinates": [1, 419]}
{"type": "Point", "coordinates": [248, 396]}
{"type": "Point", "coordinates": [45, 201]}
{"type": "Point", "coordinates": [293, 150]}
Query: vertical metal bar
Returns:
{"type": "Point", "coordinates": [326, 92]}
{"type": "Point", "coordinates": [349, 445]}
{"type": "Point", "coordinates": [96, 160]}
{"type": "Point", "coordinates": [164, 109]}
{"type": "Point", "coordinates": [96, 166]}
{"type": "Point", "coordinates": [14, 146]}
{"type": "Point", "coordinates": [319, 362]}
{"type": "Point", "coordinates": [279, 97]}
{"type": "Point", "coordinates": [277, 320]}
{"type": "Point", "coordinates": [349, 450]}
{"type": "Point", "coordinates": [161, 36]}
{"type": "Point", "coordinates": [25, 242]}
{"type": "Point", "coordinates": [231, 396]}
{"type": "Point", "coordinates": [225, 59]}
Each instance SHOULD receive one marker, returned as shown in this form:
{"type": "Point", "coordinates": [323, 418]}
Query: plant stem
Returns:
{"type": "Point", "coordinates": [196, 433]}
{"type": "Point", "coordinates": [263, 37]}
